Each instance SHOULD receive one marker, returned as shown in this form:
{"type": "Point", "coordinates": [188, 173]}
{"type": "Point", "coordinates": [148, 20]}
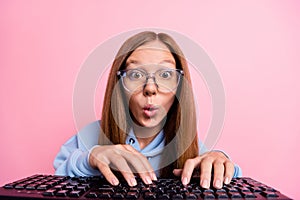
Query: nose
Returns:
{"type": "Point", "coordinates": [150, 87]}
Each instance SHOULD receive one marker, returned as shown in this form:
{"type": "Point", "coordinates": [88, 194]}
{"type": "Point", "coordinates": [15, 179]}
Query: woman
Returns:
{"type": "Point", "coordinates": [148, 124]}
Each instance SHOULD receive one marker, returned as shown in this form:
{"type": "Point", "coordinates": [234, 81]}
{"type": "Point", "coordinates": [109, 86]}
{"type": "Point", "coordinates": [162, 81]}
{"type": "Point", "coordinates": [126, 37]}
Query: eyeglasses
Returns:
{"type": "Point", "coordinates": [166, 80]}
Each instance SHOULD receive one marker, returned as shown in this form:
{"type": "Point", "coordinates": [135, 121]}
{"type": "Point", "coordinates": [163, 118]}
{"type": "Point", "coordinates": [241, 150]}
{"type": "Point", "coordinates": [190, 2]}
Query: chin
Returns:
{"type": "Point", "coordinates": [151, 122]}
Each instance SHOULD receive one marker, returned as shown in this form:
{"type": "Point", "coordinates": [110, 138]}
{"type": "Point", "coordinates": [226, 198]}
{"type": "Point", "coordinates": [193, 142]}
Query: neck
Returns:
{"type": "Point", "coordinates": [146, 135]}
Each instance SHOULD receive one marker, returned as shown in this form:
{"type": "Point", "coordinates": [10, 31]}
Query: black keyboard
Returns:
{"type": "Point", "coordinates": [64, 187]}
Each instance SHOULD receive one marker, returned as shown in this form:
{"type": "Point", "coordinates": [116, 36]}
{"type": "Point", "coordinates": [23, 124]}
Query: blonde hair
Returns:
{"type": "Point", "coordinates": [180, 128]}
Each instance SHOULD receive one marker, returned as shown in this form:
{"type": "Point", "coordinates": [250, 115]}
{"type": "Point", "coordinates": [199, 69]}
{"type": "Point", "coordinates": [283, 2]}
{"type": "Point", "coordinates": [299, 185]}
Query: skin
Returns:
{"type": "Point", "coordinates": [126, 159]}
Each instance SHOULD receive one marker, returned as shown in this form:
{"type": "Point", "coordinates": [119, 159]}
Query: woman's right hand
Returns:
{"type": "Point", "coordinates": [122, 158]}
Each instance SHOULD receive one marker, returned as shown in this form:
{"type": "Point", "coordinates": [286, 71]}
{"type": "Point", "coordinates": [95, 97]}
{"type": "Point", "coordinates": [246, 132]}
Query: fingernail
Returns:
{"type": "Point", "coordinates": [218, 183]}
{"type": "Point", "coordinates": [114, 181]}
{"type": "Point", "coordinates": [226, 180]}
{"type": "Point", "coordinates": [133, 182]}
{"type": "Point", "coordinates": [153, 176]}
{"type": "Point", "coordinates": [148, 180]}
{"type": "Point", "coordinates": [184, 180]}
{"type": "Point", "coordinates": [205, 183]}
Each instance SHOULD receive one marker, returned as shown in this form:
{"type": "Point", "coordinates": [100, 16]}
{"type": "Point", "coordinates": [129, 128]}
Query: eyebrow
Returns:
{"type": "Point", "coordinates": [130, 61]}
{"type": "Point", "coordinates": [167, 61]}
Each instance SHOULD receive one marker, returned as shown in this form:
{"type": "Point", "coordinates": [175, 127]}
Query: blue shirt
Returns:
{"type": "Point", "coordinates": [73, 157]}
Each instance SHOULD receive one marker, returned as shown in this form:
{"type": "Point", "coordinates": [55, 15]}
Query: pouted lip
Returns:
{"type": "Point", "coordinates": [150, 110]}
{"type": "Point", "coordinates": [150, 107]}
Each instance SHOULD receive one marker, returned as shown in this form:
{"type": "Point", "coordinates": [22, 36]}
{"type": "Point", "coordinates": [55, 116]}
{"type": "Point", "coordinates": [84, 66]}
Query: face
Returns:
{"type": "Point", "coordinates": [149, 105]}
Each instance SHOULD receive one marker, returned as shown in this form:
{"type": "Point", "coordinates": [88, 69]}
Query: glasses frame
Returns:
{"type": "Point", "coordinates": [123, 73]}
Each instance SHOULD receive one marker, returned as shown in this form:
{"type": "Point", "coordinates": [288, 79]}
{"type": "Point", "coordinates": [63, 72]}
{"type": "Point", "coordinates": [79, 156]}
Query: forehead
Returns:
{"type": "Point", "coordinates": [151, 53]}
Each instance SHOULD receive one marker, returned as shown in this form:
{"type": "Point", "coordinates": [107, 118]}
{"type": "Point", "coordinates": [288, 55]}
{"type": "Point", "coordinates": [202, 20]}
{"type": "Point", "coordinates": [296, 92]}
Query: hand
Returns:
{"type": "Point", "coordinates": [123, 158]}
{"type": "Point", "coordinates": [222, 167]}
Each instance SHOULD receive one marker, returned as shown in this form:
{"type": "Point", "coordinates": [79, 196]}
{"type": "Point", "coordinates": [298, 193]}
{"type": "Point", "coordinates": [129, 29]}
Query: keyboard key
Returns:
{"type": "Point", "coordinates": [50, 192]}
{"type": "Point", "coordinates": [171, 191]}
{"type": "Point", "coordinates": [207, 195]}
{"type": "Point", "coordinates": [232, 189]}
{"type": "Point", "coordinates": [9, 186]}
{"type": "Point", "coordinates": [235, 195]}
{"type": "Point", "coordinates": [220, 190]}
{"type": "Point", "coordinates": [74, 183]}
{"type": "Point", "coordinates": [208, 191]}
{"type": "Point", "coordinates": [70, 187]}
{"type": "Point", "coordinates": [51, 183]}
{"type": "Point", "coordinates": [133, 189]}
{"type": "Point", "coordinates": [62, 193]}
{"type": "Point", "coordinates": [31, 187]}
{"type": "Point", "coordinates": [20, 186]}
{"type": "Point", "coordinates": [248, 195]}
{"type": "Point", "coordinates": [196, 191]}
{"type": "Point", "coordinates": [269, 189]}
{"type": "Point", "coordinates": [244, 189]}
{"type": "Point", "coordinates": [146, 189]}
{"type": "Point", "coordinates": [118, 196]}
{"type": "Point", "coordinates": [87, 185]}
{"type": "Point", "coordinates": [177, 196]}
{"type": "Point", "coordinates": [159, 190]}
{"type": "Point", "coordinates": [75, 193]}
{"type": "Point", "coordinates": [190, 196]}
{"type": "Point", "coordinates": [221, 195]}
{"type": "Point", "coordinates": [64, 183]}
{"type": "Point", "coordinates": [82, 188]}
{"type": "Point", "coordinates": [256, 189]}
{"type": "Point", "coordinates": [149, 195]}
{"type": "Point", "coordinates": [104, 195]}
{"type": "Point", "coordinates": [107, 190]}
{"type": "Point", "coordinates": [91, 195]}
{"type": "Point", "coordinates": [43, 187]}
{"type": "Point", "coordinates": [269, 194]}
{"type": "Point", "coordinates": [59, 187]}
{"type": "Point", "coordinates": [164, 196]}
{"type": "Point", "coordinates": [132, 195]}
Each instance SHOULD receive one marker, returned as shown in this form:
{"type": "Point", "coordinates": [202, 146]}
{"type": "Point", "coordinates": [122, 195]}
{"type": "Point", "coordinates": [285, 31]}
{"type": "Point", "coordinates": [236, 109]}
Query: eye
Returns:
{"type": "Point", "coordinates": [135, 75]}
{"type": "Point", "coordinates": [166, 74]}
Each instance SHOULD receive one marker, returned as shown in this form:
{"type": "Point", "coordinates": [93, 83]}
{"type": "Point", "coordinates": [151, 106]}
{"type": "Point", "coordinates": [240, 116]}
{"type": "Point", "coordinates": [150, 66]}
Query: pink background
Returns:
{"type": "Point", "coordinates": [255, 46]}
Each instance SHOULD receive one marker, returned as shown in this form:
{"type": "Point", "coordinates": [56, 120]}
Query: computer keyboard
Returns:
{"type": "Point", "coordinates": [64, 187]}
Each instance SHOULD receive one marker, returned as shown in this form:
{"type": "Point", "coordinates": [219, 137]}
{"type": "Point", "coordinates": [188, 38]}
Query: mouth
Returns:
{"type": "Point", "coordinates": [150, 110]}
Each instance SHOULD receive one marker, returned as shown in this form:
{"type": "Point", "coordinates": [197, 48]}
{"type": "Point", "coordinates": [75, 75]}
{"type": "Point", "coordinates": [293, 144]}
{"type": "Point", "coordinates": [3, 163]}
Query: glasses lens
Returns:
{"type": "Point", "coordinates": [167, 79]}
{"type": "Point", "coordinates": [134, 79]}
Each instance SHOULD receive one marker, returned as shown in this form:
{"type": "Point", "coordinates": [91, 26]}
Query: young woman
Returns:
{"type": "Point", "coordinates": [148, 125]}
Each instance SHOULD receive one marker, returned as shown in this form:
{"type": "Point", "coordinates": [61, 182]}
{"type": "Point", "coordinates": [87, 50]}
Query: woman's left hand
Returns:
{"type": "Point", "coordinates": [223, 169]}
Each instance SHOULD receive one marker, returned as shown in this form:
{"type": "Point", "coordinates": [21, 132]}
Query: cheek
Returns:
{"type": "Point", "coordinates": [169, 100]}
{"type": "Point", "coordinates": [133, 104]}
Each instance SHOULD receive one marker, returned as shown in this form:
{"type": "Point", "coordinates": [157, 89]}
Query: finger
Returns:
{"type": "Point", "coordinates": [148, 170]}
{"type": "Point", "coordinates": [177, 172]}
{"type": "Point", "coordinates": [140, 164]}
{"type": "Point", "coordinates": [140, 168]}
{"type": "Point", "coordinates": [146, 166]}
{"type": "Point", "coordinates": [107, 173]}
{"type": "Point", "coordinates": [205, 172]}
{"type": "Point", "coordinates": [188, 169]}
{"type": "Point", "coordinates": [121, 165]}
{"type": "Point", "coordinates": [142, 159]}
{"type": "Point", "coordinates": [218, 174]}
{"type": "Point", "coordinates": [229, 171]}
